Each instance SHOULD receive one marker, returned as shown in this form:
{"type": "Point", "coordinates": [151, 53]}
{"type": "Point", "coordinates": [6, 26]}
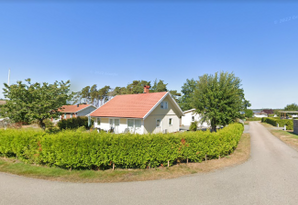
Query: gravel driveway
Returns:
{"type": "Point", "coordinates": [270, 176]}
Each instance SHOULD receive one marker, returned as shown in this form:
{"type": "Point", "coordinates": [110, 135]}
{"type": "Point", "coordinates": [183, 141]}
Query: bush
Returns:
{"type": "Point", "coordinates": [92, 150]}
{"type": "Point", "coordinates": [280, 122]}
{"type": "Point", "coordinates": [74, 123]}
{"type": "Point", "coordinates": [254, 119]}
{"type": "Point", "coordinates": [193, 126]}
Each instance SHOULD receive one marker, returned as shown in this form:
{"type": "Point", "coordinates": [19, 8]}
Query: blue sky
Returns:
{"type": "Point", "coordinates": [114, 43]}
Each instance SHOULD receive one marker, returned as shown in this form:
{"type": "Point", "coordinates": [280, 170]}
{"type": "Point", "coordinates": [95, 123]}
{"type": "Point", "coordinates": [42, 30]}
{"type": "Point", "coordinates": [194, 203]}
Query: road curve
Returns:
{"type": "Point", "coordinates": [270, 176]}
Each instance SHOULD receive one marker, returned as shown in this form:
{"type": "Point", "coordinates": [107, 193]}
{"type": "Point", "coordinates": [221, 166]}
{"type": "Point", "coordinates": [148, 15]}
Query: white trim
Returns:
{"type": "Point", "coordinates": [158, 103]}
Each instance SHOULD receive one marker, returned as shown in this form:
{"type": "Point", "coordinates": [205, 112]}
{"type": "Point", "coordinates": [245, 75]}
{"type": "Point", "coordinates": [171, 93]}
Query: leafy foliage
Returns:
{"type": "Point", "coordinates": [38, 101]}
{"type": "Point", "coordinates": [92, 150]}
{"type": "Point", "coordinates": [193, 126]}
{"type": "Point", "coordinates": [291, 107]}
{"type": "Point", "coordinates": [188, 88]}
{"type": "Point", "coordinates": [219, 98]}
{"type": "Point", "coordinates": [280, 122]}
{"type": "Point", "coordinates": [248, 113]}
{"type": "Point", "coordinates": [74, 123]}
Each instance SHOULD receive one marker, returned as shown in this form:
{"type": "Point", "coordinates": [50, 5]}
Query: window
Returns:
{"type": "Point", "coordinates": [158, 122]}
{"type": "Point", "coordinates": [193, 118]}
{"type": "Point", "coordinates": [64, 116]}
{"type": "Point", "coordinates": [164, 105]}
{"type": "Point", "coordinates": [71, 115]}
{"type": "Point", "coordinates": [130, 122]}
{"type": "Point", "coordinates": [138, 123]}
{"type": "Point", "coordinates": [117, 122]}
{"type": "Point", "coordinates": [170, 121]}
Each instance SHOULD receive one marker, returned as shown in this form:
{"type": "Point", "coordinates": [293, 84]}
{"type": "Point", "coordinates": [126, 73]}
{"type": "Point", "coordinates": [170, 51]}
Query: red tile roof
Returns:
{"type": "Point", "coordinates": [129, 106]}
{"type": "Point", "coordinates": [72, 108]}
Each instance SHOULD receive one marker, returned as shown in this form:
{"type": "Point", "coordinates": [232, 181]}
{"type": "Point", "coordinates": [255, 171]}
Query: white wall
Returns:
{"type": "Point", "coordinates": [186, 120]}
{"type": "Point", "coordinates": [105, 125]}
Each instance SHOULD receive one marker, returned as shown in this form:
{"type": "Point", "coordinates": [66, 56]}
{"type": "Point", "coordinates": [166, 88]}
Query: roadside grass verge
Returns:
{"type": "Point", "coordinates": [13, 166]}
{"type": "Point", "coordinates": [289, 137]}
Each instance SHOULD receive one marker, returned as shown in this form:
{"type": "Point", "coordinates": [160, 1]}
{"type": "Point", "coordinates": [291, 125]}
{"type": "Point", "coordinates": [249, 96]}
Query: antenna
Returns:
{"type": "Point", "coordinates": [8, 76]}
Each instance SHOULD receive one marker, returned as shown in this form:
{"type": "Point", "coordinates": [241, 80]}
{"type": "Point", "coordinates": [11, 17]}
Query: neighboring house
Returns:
{"type": "Point", "coordinates": [70, 111]}
{"type": "Point", "coordinates": [260, 114]}
{"type": "Point", "coordinates": [190, 116]}
{"type": "Point", "coordinates": [139, 113]}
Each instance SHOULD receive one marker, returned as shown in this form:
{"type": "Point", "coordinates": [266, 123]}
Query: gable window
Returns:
{"type": "Point", "coordinates": [164, 105]}
{"type": "Point", "coordinates": [158, 122]}
{"type": "Point", "coordinates": [170, 121]}
{"type": "Point", "coordinates": [193, 118]}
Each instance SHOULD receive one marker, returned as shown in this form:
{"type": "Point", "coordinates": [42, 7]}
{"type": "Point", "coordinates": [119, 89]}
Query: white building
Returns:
{"type": "Point", "coordinates": [190, 116]}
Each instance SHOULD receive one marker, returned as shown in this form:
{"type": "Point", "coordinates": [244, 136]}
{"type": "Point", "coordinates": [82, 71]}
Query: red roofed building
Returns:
{"type": "Point", "coordinates": [70, 111]}
{"type": "Point", "coordinates": [139, 113]}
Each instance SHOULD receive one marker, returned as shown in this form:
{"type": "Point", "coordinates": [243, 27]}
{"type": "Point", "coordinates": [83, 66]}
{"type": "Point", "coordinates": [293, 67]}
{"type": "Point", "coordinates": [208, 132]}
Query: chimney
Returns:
{"type": "Point", "coordinates": [146, 88]}
{"type": "Point", "coordinates": [78, 105]}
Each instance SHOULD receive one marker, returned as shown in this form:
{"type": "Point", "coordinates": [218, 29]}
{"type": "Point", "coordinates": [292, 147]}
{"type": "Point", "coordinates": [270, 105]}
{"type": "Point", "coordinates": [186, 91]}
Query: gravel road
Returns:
{"type": "Point", "coordinates": [270, 176]}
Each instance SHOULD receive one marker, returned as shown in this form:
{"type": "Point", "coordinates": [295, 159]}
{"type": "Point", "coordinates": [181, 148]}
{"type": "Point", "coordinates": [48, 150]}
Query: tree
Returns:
{"type": "Point", "coordinates": [291, 107]}
{"type": "Point", "coordinates": [187, 94]}
{"type": "Point", "coordinates": [28, 102]}
{"type": "Point", "coordinates": [103, 94]}
{"type": "Point", "coordinates": [175, 95]}
{"type": "Point", "coordinates": [159, 86]}
{"type": "Point", "coordinates": [136, 86]}
{"type": "Point", "coordinates": [248, 113]}
{"type": "Point", "coordinates": [219, 98]}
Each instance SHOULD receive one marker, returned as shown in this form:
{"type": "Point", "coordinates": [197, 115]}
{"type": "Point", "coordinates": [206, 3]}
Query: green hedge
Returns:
{"type": "Point", "coordinates": [74, 123]}
{"type": "Point", "coordinates": [280, 122]}
{"type": "Point", "coordinates": [92, 150]}
{"type": "Point", "coordinates": [253, 119]}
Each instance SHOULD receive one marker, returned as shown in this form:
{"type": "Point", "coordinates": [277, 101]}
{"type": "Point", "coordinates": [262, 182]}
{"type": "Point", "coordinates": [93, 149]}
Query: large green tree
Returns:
{"type": "Point", "coordinates": [39, 101]}
{"type": "Point", "coordinates": [219, 98]}
{"type": "Point", "coordinates": [291, 107]}
{"type": "Point", "coordinates": [187, 90]}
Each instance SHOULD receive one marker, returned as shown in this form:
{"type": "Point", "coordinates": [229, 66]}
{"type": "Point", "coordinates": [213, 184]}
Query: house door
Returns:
{"type": "Point", "coordinates": [114, 124]}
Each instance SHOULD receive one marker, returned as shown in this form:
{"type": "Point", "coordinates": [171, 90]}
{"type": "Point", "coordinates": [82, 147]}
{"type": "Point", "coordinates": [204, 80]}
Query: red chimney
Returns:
{"type": "Point", "coordinates": [146, 88]}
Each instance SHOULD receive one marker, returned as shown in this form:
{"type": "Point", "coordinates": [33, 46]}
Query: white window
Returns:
{"type": "Point", "coordinates": [130, 122]}
{"type": "Point", "coordinates": [164, 105]}
{"type": "Point", "coordinates": [138, 123]}
{"type": "Point", "coordinates": [98, 120]}
{"type": "Point", "coordinates": [64, 116]}
{"type": "Point", "coordinates": [158, 122]}
{"type": "Point", "coordinates": [193, 118]}
{"type": "Point", "coordinates": [170, 121]}
{"type": "Point", "coordinates": [117, 122]}
{"type": "Point", "coordinates": [71, 115]}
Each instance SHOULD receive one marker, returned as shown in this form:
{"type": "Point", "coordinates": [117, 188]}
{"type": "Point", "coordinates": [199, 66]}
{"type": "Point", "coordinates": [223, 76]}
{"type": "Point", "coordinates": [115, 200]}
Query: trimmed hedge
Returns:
{"type": "Point", "coordinates": [280, 122]}
{"type": "Point", "coordinates": [74, 123]}
{"type": "Point", "coordinates": [254, 119]}
{"type": "Point", "coordinates": [92, 150]}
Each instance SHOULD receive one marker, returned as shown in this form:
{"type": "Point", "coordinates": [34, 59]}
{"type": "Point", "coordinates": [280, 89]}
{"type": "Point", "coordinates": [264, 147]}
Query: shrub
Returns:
{"type": "Point", "coordinates": [193, 126]}
{"type": "Point", "coordinates": [280, 122]}
{"type": "Point", "coordinates": [92, 150]}
{"type": "Point", "coordinates": [74, 123]}
{"type": "Point", "coordinates": [253, 119]}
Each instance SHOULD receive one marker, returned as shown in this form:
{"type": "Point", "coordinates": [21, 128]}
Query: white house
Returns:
{"type": "Point", "coordinates": [139, 113]}
{"type": "Point", "coordinates": [190, 116]}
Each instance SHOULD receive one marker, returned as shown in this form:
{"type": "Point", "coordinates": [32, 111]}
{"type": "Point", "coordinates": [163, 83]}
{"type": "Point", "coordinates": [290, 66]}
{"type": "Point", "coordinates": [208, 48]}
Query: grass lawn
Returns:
{"type": "Point", "coordinates": [13, 166]}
